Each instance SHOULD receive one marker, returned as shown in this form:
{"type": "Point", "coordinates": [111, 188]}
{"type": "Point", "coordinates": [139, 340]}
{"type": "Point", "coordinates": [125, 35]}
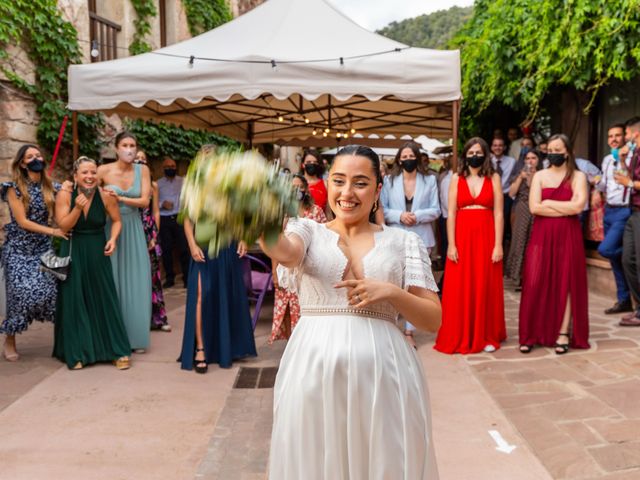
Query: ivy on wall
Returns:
{"type": "Point", "coordinates": [160, 140]}
{"type": "Point", "coordinates": [515, 52]}
{"type": "Point", "coordinates": [51, 44]}
{"type": "Point", "coordinates": [205, 15]}
{"type": "Point", "coordinates": [145, 10]}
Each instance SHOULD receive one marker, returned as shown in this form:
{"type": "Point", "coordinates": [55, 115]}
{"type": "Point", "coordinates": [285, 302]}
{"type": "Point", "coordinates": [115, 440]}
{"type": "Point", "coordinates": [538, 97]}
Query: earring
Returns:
{"type": "Point", "coordinates": [375, 206]}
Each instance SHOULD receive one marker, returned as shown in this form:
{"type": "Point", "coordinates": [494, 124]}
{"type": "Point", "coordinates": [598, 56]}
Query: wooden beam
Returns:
{"type": "Point", "coordinates": [76, 141]}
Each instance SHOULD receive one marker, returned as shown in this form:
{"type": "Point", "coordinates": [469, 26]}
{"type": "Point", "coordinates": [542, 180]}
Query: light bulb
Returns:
{"type": "Point", "coordinates": [324, 134]}
{"type": "Point", "coordinates": [306, 120]}
{"type": "Point", "coordinates": [281, 118]}
{"type": "Point", "coordinates": [346, 135]}
{"type": "Point", "coordinates": [353, 131]}
{"type": "Point", "coordinates": [326, 130]}
{"type": "Point", "coordinates": [338, 135]}
{"type": "Point", "coordinates": [314, 132]}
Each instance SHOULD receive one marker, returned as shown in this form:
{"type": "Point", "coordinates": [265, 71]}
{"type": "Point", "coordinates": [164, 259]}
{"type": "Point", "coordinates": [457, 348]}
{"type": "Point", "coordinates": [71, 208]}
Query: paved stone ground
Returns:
{"type": "Point", "coordinates": [571, 417]}
{"type": "Point", "coordinates": [580, 412]}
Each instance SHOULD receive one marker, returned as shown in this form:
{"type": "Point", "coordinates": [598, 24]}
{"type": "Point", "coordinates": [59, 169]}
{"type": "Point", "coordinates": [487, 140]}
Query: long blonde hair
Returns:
{"type": "Point", "coordinates": [21, 178]}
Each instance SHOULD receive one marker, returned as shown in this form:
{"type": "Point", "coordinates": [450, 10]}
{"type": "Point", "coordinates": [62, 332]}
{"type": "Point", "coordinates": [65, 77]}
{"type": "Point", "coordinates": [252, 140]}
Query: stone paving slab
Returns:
{"type": "Point", "coordinates": [578, 412]}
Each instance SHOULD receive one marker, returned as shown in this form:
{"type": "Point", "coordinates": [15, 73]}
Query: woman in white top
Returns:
{"type": "Point", "coordinates": [350, 398]}
{"type": "Point", "coordinates": [410, 201]}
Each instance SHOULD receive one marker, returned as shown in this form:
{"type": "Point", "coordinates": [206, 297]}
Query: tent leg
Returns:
{"type": "Point", "coordinates": [456, 124]}
{"type": "Point", "coordinates": [250, 134]}
{"type": "Point", "coordinates": [74, 128]}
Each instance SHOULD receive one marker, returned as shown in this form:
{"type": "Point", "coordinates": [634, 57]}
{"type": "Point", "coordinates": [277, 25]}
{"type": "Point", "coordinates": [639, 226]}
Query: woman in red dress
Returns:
{"type": "Point", "coordinates": [313, 170]}
{"type": "Point", "coordinates": [553, 308]}
{"type": "Point", "coordinates": [472, 298]}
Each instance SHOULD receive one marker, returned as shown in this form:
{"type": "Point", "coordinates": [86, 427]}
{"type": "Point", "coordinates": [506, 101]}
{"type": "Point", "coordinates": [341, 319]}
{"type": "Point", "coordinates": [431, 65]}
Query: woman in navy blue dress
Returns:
{"type": "Point", "coordinates": [30, 293]}
{"type": "Point", "coordinates": [217, 327]}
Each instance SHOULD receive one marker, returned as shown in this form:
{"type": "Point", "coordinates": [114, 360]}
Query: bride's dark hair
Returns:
{"type": "Point", "coordinates": [363, 151]}
{"type": "Point", "coordinates": [367, 152]}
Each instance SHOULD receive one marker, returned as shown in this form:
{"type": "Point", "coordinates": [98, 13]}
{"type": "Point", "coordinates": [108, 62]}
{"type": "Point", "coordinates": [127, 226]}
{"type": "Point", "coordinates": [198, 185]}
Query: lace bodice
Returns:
{"type": "Point", "coordinates": [398, 257]}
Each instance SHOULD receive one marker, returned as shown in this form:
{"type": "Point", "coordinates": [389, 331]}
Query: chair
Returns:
{"type": "Point", "coordinates": [258, 279]}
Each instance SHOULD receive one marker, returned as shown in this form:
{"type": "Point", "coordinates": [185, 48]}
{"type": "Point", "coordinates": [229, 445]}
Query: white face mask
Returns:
{"type": "Point", "coordinates": [127, 155]}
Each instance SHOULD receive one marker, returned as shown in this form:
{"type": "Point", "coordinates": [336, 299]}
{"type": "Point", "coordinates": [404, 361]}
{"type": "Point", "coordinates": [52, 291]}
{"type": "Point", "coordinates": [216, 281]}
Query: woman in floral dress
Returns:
{"type": "Point", "coordinates": [150, 222]}
{"type": "Point", "coordinates": [286, 309]}
{"type": "Point", "coordinates": [30, 293]}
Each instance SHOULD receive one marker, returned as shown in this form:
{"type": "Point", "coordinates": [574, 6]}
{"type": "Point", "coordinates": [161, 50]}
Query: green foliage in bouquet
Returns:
{"type": "Point", "coordinates": [232, 195]}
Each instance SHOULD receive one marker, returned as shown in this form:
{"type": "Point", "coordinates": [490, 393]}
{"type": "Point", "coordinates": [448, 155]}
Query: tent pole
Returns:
{"type": "Point", "coordinates": [250, 134]}
{"type": "Point", "coordinates": [76, 142]}
{"type": "Point", "coordinates": [456, 122]}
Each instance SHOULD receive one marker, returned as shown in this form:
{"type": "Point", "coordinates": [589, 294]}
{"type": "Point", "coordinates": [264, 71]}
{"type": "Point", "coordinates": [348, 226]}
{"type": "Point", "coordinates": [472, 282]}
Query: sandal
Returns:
{"type": "Point", "coordinates": [562, 348]}
{"type": "Point", "coordinates": [200, 366]}
{"type": "Point", "coordinates": [526, 348]}
{"type": "Point", "coordinates": [123, 363]}
{"type": "Point", "coordinates": [78, 366]}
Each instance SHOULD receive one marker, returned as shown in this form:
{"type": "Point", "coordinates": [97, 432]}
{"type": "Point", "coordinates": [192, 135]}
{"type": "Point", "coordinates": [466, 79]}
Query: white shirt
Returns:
{"type": "Point", "coordinates": [506, 165]}
{"type": "Point", "coordinates": [615, 193]}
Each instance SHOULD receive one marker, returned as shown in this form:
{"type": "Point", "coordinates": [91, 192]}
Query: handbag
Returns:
{"type": "Point", "coordinates": [59, 267]}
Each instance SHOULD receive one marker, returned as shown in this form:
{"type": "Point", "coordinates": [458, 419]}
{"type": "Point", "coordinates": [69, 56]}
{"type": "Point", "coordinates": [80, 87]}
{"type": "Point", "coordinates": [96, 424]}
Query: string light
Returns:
{"type": "Point", "coordinates": [324, 134]}
{"type": "Point", "coordinates": [338, 135]}
{"type": "Point", "coordinates": [306, 120]}
{"type": "Point", "coordinates": [281, 118]}
{"type": "Point", "coordinates": [353, 131]}
{"type": "Point", "coordinates": [94, 49]}
{"type": "Point", "coordinates": [314, 132]}
{"type": "Point", "coordinates": [326, 130]}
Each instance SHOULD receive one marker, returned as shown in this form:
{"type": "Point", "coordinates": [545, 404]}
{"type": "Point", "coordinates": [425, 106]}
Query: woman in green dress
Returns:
{"type": "Point", "coordinates": [89, 326]}
{"type": "Point", "coordinates": [130, 185]}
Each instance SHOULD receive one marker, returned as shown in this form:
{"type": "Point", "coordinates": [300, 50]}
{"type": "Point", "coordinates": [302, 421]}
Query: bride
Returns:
{"type": "Point", "coordinates": [350, 400]}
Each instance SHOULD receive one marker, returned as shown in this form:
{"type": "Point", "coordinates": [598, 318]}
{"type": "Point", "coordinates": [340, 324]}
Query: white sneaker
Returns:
{"type": "Point", "coordinates": [489, 348]}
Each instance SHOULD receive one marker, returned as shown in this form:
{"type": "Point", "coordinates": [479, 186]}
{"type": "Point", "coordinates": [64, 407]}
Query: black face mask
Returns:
{"type": "Point", "coordinates": [556, 159]}
{"type": "Point", "coordinates": [312, 169]}
{"type": "Point", "coordinates": [36, 165]}
{"type": "Point", "coordinates": [170, 172]}
{"type": "Point", "coordinates": [409, 165]}
{"type": "Point", "coordinates": [476, 161]}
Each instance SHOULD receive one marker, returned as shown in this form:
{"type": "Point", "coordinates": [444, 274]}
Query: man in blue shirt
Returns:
{"type": "Point", "coordinates": [616, 214]}
{"type": "Point", "coordinates": [171, 233]}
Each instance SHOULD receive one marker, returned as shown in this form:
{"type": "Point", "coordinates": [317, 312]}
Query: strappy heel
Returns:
{"type": "Point", "coordinates": [200, 366]}
{"type": "Point", "coordinates": [526, 348]}
{"type": "Point", "coordinates": [562, 348]}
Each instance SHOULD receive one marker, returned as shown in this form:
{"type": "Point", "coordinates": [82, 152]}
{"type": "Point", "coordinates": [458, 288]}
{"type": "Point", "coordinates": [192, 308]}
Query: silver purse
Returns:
{"type": "Point", "coordinates": [59, 267]}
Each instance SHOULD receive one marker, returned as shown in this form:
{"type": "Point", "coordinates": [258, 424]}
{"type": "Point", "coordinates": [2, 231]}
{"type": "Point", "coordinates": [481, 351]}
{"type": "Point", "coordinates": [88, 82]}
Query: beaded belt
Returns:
{"type": "Point", "coordinates": [358, 312]}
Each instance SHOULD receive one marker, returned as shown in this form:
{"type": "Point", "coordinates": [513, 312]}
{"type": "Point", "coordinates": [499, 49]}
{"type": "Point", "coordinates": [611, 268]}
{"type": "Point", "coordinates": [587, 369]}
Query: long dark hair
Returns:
{"type": "Point", "coordinates": [315, 154]}
{"type": "Point", "coordinates": [571, 160]}
{"type": "Point", "coordinates": [415, 149]}
{"type": "Point", "coordinates": [368, 153]}
{"type": "Point", "coordinates": [486, 170]}
{"type": "Point", "coordinates": [20, 177]}
{"type": "Point", "coordinates": [307, 201]}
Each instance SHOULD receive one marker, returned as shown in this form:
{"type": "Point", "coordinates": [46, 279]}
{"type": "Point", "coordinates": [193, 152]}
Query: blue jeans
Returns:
{"type": "Point", "coordinates": [615, 220]}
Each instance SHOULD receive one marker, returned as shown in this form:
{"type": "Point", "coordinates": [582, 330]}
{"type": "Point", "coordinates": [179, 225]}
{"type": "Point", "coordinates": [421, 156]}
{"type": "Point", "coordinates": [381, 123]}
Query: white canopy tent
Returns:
{"type": "Point", "coordinates": [271, 76]}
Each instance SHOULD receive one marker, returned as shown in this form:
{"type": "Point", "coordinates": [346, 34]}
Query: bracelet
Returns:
{"type": "Point", "coordinates": [632, 184]}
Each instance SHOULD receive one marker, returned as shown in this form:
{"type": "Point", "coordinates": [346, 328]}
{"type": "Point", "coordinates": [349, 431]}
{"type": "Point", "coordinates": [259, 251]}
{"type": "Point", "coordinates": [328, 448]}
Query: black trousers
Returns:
{"type": "Point", "coordinates": [172, 238]}
{"type": "Point", "coordinates": [631, 253]}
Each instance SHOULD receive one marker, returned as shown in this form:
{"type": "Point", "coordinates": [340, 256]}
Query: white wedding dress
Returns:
{"type": "Point", "coordinates": [350, 399]}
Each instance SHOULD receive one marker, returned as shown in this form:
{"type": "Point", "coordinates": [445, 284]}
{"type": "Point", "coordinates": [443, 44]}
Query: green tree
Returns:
{"type": "Point", "coordinates": [514, 52]}
{"type": "Point", "coordinates": [434, 30]}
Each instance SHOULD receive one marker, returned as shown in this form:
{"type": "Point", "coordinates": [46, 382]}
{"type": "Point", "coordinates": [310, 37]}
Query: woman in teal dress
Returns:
{"type": "Point", "coordinates": [130, 185]}
{"type": "Point", "coordinates": [89, 327]}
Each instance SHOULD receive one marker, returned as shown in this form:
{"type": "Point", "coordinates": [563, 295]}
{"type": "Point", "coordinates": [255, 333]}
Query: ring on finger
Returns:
{"type": "Point", "coordinates": [357, 297]}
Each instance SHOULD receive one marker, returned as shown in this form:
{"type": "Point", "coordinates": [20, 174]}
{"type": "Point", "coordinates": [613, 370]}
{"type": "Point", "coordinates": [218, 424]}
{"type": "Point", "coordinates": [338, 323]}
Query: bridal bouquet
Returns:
{"type": "Point", "coordinates": [232, 196]}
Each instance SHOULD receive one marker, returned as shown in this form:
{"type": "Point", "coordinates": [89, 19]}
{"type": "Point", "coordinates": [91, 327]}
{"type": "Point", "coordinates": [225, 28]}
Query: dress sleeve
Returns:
{"type": "Point", "coordinates": [417, 268]}
{"type": "Point", "coordinates": [57, 187]}
{"type": "Point", "coordinates": [4, 188]}
{"type": "Point", "coordinates": [302, 228]}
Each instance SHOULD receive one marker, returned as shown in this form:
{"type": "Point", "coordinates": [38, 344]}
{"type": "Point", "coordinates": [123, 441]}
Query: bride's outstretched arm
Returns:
{"type": "Point", "coordinates": [417, 305]}
{"type": "Point", "coordinates": [288, 250]}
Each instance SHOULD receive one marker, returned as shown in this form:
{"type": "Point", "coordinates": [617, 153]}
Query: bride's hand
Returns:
{"type": "Point", "coordinates": [361, 293]}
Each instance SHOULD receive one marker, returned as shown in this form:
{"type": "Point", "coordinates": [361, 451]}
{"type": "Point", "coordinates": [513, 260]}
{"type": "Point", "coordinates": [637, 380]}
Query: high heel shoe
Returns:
{"type": "Point", "coordinates": [200, 366]}
{"type": "Point", "coordinates": [562, 348]}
